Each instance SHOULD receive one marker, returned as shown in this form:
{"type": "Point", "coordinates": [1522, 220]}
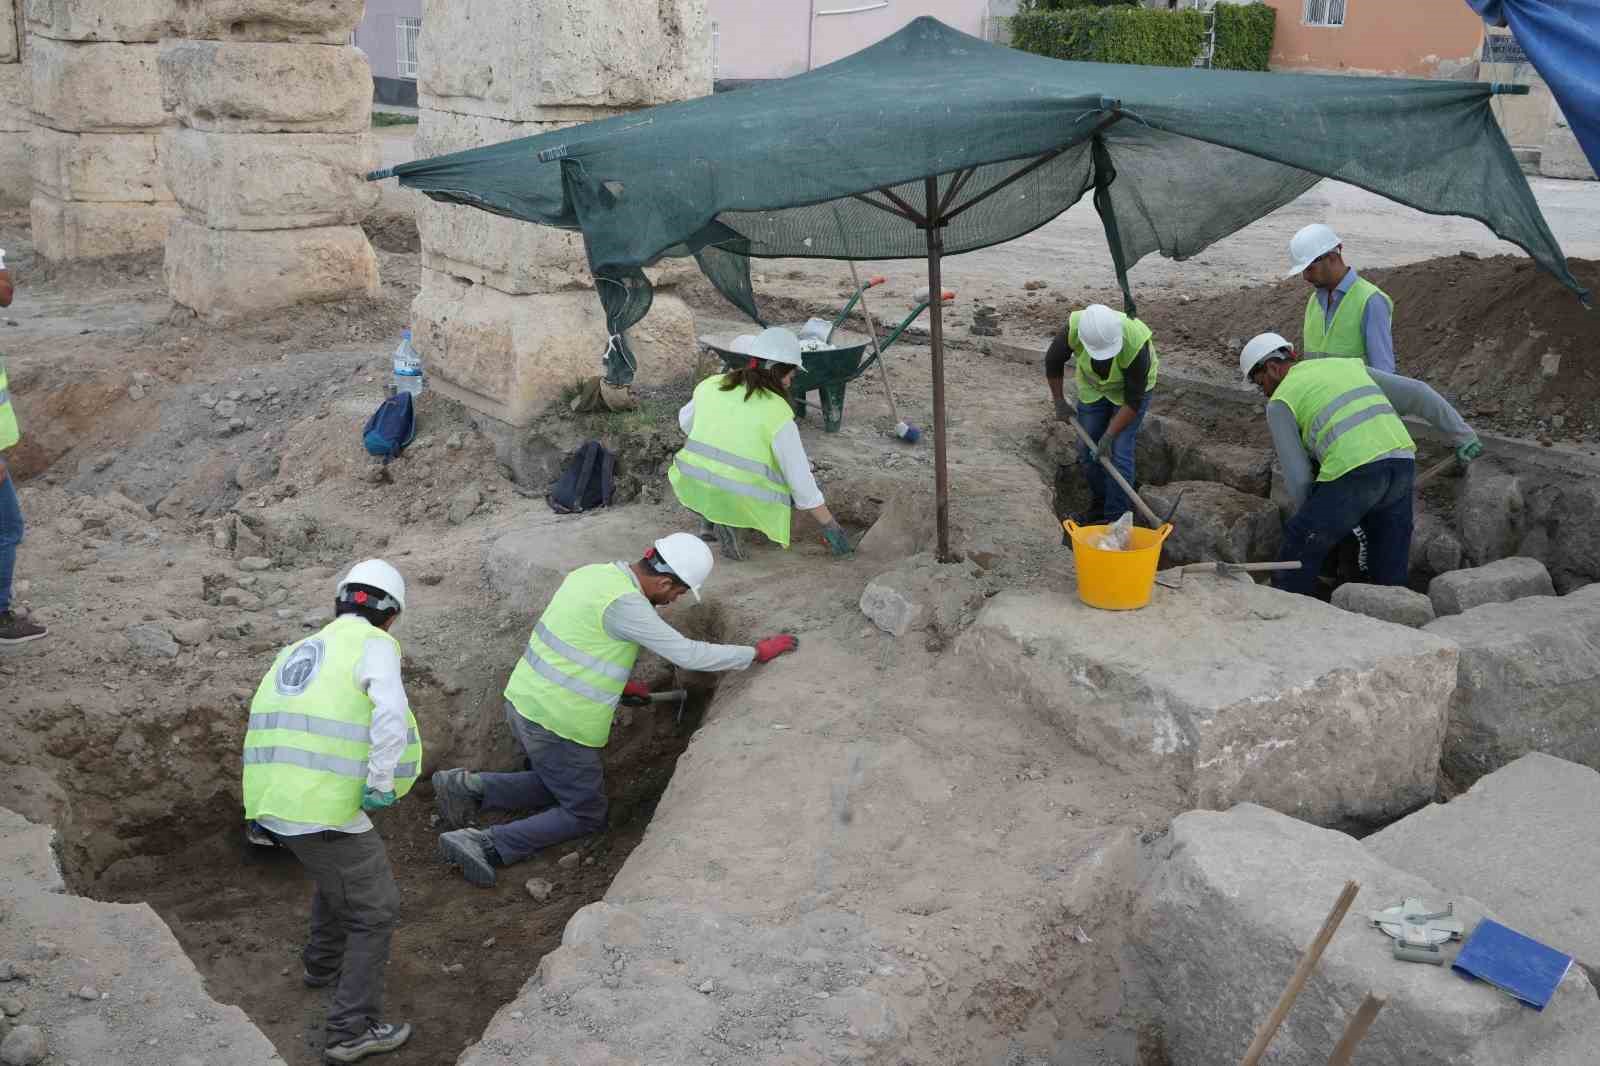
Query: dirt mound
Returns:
{"type": "Point", "coordinates": [1500, 337]}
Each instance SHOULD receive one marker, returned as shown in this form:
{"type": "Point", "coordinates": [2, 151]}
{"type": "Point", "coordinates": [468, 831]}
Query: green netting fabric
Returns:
{"type": "Point", "coordinates": [1177, 158]}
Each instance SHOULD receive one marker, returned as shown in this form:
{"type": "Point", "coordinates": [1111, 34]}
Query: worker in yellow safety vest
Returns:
{"type": "Point", "coordinates": [1346, 315]}
{"type": "Point", "coordinates": [14, 628]}
{"type": "Point", "coordinates": [743, 465]}
{"type": "Point", "coordinates": [332, 737]}
{"type": "Point", "coordinates": [1346, 456]}
{"type": "Point", "coordinates": [563, 695]}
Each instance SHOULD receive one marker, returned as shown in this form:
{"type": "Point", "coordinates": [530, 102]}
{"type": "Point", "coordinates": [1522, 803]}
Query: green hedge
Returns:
{"type": "Point", "coordinates": [1124, 34]}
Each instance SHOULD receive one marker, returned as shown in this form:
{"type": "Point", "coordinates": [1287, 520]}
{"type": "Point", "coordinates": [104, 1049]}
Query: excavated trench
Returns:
{"type": "Point", "coordinates": [459, 954]}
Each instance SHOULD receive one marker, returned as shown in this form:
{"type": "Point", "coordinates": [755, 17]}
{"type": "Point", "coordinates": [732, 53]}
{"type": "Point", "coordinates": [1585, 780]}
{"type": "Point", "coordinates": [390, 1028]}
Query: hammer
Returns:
{"type": "Point", "coordinates": [678, 696]}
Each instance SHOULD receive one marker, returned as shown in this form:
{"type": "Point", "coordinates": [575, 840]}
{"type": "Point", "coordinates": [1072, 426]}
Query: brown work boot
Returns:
{"type": "Point", "coordinates": [15, 629]}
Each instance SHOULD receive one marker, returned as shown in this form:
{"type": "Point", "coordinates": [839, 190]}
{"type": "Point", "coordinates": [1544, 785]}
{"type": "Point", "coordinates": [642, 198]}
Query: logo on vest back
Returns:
{"type": "Point", "coordinates": [300, 668]}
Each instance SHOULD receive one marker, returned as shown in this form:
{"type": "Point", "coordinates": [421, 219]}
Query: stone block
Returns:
{"type": "Point", "coordinates": [99, 167]}
{"type": "Point", "coordinates": [96, 87]}
{"type": "Point", "coordinates": [922, 593]}
{"type": "Point", "coordinates": [510, 356]}
{"type": "Point", "coordinates": [1498, 582]}
{"type": "Point", "coordinates": [291, 21]}
{"type": "Point", "coordinates": [16, 91]}
{"type": "Point", "coordinates": [1522, 841]}
{"type": "Point", "coordinates": [68, 230]}
{"type": "Point", "coordinates": [1387, 603]}
{"type": "Point", "coordinates": [227, 87]}
{"type": "Point", "coordinates": [129, 21]}
{"type": "Point", "coordinates": [1566, 518]}
{"type": "Point", "coordinates": [1231, 903]}
{"type": "Point", "coordinates": [1435, 548]}
{"type": "Point", "coordinates": [16, 177]}
{"type": "Point", "coordinates": [10, 43]}
{"type": "Point", "coordinates": [261, 181]}
{"type": "Point", "coordinates": [226, 275]}
{"type": "Point", "coordinates": [525, 59]}
{"type": "Point", "coordinates": [1529, 681]}
{"type": "Point", "coordinates": [1348, 728]}
{"type": "Point", "coordinates": [1562, 156]}
{"type": "Point", "coordinates": [1489, 509]}
{"type": "Point", "coordinates": [1246, 470]}
{"type": "Point", "coordinates": [904, 527]}
{"type": "Point", "coordinates": [1216, 522]}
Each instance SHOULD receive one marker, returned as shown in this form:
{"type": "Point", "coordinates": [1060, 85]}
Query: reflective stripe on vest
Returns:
{"type": "Point", "coordinates": [9, 433]}
{"type": "Point", "coordinates": [1344, 418]}
{"type": "Point", "coordinates": [727, 472]}
{"type": "Point", "coordinates": [309, 733]}
{"type": "Point", "coordinates": [572, 671]}
{"type": "Point", "coordinates": [1345, 336]}
{"type": "Point", "coordinates": [1091, 389]}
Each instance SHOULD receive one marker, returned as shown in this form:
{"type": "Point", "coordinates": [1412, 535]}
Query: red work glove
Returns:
{"type": "Point", "coordinates": [772, 647]}
{"type": "Point", "coordinates": [636, 689]}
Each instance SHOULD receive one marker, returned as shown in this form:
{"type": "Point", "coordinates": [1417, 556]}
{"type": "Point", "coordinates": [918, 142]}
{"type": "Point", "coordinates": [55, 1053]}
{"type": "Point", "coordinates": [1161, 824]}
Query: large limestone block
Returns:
{"type": "Point", "coordinates": [1344, 722]}
{"type": "Point", "coordinates": [69, 230]}
{"type": "Point", "coordinates": [10, 43]}
{"type": "Point", "coordinates": [1562, 156]}
{"type": "Point", "coordinates": [1234, 899]}
{"type": "Point", "coordinates": [292, 21]}
{"type": "Point", "coordinates": [227, 87]}
{"type": "Point", "coordinates": [16, 177]}
{"type": "Point", "coordinates": [258, 181]}
{"type": "Point", "coordinates": [1489, 508]}
{"type": "Point", "coordinates": [96, 87]}
{"type": "Point", "coordinates": [1522, 841]}
{"type": "Point", "coordinates": [527, 59]}
{"type": "Point", "coordinates": [104, 20]}
{"type": "Point", "coordinates": [1564, 530]}
{"type": "Point", "coordinates": [1389, 603]}
{"type": "Point", "coordinates": [99, 167]}
{"type": "Point", "coordinates": [15, 93]}
{"type": "Point", "coordinates": [226, 275]}
{"type": "Point", "coordinates": [1498, 582]}
{"type": "Point", "coordinates": [510, 356]}
{"type": "Point", "coordinates": [1216, 522]}
{"type": "Point", "coordinates": [1529, 681]}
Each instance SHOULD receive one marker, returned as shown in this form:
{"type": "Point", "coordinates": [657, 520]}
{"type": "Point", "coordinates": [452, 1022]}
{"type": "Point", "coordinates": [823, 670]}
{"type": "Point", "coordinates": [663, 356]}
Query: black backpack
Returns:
{"type": "Point", "coordinates": [585, 481]}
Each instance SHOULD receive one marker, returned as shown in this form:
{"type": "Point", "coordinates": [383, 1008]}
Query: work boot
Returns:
{"type": "Point", "coordinates": [473, 851]}
{"type": "Point", "coordinates": [728, 536]}
{"type": "Point", "coordinates": [708, 531]}
{"type": "Point", "coordinates": [311, 980]}
{"type": "Point", "coordinates": [379, 1038]}
{"type": "Point", "coordinates": [453, 798]}
{"type": "Point", "coordinates": [15, 629]}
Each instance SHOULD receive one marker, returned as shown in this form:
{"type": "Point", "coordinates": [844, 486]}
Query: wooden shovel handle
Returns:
{"type": "Point", "coordinates": [1302, 973]}
{"type": "Point", "coordinates": [1360, 1022]}
{"type": "Point", "coordinates": [1116, 475]}
{"type": "Point", "coordinates": [1433, 471]}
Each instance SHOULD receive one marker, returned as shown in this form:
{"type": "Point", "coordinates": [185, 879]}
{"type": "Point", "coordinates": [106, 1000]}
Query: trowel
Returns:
{"type": "Point", "coordinates": [1173, 578]}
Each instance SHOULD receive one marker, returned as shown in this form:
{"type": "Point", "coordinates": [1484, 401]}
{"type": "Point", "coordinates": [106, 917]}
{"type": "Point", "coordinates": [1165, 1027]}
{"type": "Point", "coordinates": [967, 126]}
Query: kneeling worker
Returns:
{"type": "Point", "coordinates": [331, 737]}
{"type": "Point", "coordinates": [563, 695]}
{"type": "Point", "coordinates": [743, 463]}
{"type": "Point", "coordinates": [1345, 418]}
{"type": "Point", "coordinates": [1116, 365]}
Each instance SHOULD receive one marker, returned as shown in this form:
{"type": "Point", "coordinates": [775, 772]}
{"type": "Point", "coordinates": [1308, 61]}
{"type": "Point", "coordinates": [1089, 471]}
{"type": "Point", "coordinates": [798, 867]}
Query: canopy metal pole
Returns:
{"type": "Point", "coordinates": [941, 475]}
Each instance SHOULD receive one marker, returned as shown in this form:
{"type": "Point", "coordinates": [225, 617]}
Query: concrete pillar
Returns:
{"type": "Point", "coordinates": [16, 182]}
{"type": "Point", "coordinates": [267, 156]}
{"type": "Point", "coordinates": [507, 316]}
{"type": "Point", "coordinates": [96, 102]}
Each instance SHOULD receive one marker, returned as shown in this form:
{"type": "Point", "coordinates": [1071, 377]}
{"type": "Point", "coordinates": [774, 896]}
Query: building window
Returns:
{"type": "Point", "coordinates": [408, 29]}
{"type": "Point", "coordinates": [1325, 12]}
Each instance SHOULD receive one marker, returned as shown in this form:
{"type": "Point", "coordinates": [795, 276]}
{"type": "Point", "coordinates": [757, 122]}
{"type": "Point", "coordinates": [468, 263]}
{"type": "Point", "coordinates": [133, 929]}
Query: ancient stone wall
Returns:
{"type": "Point", "coordinates": [267, 155]}
{"type": "Point", "coordinates": [95, 98]}
{"type": "Point", "coordinates": [507, 315]}
{"type": "Point", "coordinates": [15, 181]}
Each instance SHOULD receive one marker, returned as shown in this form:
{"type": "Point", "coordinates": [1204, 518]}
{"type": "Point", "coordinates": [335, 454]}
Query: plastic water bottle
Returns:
{"type": "Point", "coordinates": [407, 367]}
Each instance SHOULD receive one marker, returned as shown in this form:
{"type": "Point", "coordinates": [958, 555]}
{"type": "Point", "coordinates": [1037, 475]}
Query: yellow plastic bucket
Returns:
{"type": "Point", "coordinates": [1116, 581]}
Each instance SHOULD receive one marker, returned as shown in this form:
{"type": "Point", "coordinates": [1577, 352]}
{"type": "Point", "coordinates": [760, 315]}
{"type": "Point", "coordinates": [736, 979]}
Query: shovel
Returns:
{"type": "Point", "coordinates": [1116, 475]}
{"type": "Point", "coordinates": [1173, 578]}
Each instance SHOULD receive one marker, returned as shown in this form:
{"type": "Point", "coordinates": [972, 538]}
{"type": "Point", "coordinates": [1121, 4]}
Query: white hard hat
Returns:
{"type": "Point", "coordinates": [1261, 346]}
{"type": "Point", "coordinates": [742, 343]}
{"type": "Point", "coordinates": [1100, 330]}
{"type": "Point", "coordinates": [1312, 241]}
{"type": "Point", "coordinates": [777, 345]}
{"type": "Point", "coordinates": [688, 558]}
{"type": "Point", "coordinates": [376, 574]}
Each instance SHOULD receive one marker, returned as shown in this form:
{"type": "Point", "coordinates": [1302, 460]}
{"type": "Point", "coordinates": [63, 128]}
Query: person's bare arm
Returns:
{"type": "Point", "coordinates": [7, 290]}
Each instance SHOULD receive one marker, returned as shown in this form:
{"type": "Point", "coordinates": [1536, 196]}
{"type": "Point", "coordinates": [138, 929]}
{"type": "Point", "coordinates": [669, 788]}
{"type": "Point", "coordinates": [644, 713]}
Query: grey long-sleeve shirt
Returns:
{"type": "Point", "coordinates": [1408, 396]}
{"type": "Point", "coordinates": [632, 617]}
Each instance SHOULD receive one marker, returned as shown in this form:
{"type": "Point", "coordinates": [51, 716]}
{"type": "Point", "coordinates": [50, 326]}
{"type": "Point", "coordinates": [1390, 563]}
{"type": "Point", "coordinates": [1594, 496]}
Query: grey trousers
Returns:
{"type": "Point", "coordinates": [567, 786]}
{"type": "Point", "coordinates": [354, 910]}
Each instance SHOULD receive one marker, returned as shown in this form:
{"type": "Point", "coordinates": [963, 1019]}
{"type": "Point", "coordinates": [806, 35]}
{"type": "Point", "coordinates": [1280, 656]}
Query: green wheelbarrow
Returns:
{"type": "Point", "coordinates": [828, 370]}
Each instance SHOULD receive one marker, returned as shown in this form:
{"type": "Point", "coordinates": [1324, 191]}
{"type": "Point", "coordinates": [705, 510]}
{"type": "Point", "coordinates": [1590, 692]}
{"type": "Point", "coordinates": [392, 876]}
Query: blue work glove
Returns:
{"type": "Point", "coordinates": [373, 800]}
{"type": "Point", "coordinates": [1469, 451]}
{"type": "Point", "coordinates": [837, 541]}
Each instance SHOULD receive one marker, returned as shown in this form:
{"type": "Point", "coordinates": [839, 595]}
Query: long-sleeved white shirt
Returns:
{"type": "Point", "coordinates": [791, 456]}
{"type": "Point", "coordinates": [377, 673]}
{"type": "Point", "coordinates": [632, 617]}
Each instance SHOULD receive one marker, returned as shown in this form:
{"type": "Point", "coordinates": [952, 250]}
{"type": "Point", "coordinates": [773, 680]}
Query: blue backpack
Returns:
{"type": "Point", "coordinates": [392, 426]}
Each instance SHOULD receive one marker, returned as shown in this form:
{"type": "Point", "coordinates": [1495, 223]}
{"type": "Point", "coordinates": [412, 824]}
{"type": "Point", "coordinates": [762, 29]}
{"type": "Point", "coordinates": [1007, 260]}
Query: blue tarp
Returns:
{"type": "Point", "coordinates": [1562, 40]}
